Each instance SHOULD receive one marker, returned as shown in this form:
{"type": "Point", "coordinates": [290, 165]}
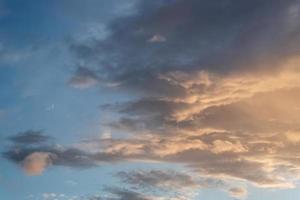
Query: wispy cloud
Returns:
{"type": "Point", "coordinates": [83, 78]}
{"type": "Point", "coordinates": [30, 137]}
{"type": "Point", "coordinates": [238, 192]}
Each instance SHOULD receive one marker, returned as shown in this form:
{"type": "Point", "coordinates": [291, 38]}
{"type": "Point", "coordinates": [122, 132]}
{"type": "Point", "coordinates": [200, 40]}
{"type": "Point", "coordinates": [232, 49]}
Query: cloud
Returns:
{"type": "Point", "coordinates": [33, 152]}
{"type": "Point", "coordinates": [157, 38]}
{"type": "Point", "coordinates": [157, 178]}
{"type": "Point", "coordinates": [53, 196]}
{"type": "Point", "coordinates": [83, 78]}
{"type": "Point", "coordinates": [238, 128]}
{"type": "Point", "coordinates": [201, 35]}
{"type": "Point", "coordinates": [116, 193]}
{"type": "Point", "coordinates": [237, 125]}
{"type": "Point", "coordinates": [37, 162]}
{"type": "Point", "coordinates": [238, 192]}
{"type": "Point", "coordinates": [62, 156]}
{"type": "Point", "coordinates": [30, 137]}
{"type": "Point", "coordinates": [10, 55]}
{"type": "Point", "coordinates": [169, 184]}
{"type": "Point", "coordinates": [247, 140]}
{"type": "Point", "coordinates": [220, 95]}
{"type": "Point", "coordinates": [124, 194]}
{"type": "Point", "coordinates": [220, 146]}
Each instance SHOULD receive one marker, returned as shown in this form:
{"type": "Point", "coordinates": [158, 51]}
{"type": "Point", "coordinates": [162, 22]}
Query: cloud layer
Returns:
{"type": "Point", "coordinates": [216, 89]}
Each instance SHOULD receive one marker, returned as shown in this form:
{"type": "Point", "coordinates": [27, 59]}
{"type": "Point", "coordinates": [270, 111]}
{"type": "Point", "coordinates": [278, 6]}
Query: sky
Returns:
{"type": "Point", "coordinates": [149, 100]}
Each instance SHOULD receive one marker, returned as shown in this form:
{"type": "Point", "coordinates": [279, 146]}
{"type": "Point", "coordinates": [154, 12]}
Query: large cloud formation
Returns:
{"type": "Point", "coordinates": [217, 87]}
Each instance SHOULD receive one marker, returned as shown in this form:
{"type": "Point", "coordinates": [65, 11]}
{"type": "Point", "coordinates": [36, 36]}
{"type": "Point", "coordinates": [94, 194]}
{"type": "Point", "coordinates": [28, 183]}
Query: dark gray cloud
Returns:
{"type": "Point", "coordinates": [68, 157]}
{"type": "Point", "coordinates": [30, 137]}
{"type": "Point", "coordinates": [199, 35]}
{"type": "Point", "coordinates": [64, 156]}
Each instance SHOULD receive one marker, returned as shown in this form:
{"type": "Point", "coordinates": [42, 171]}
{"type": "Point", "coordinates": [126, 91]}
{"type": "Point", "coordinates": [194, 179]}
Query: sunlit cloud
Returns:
{"type": "Point", "coordinates": [212, 87]}
{"type": "Point", "coordinates": [238, 192]}
{"type": "Point", "coordinates": [37, 162]}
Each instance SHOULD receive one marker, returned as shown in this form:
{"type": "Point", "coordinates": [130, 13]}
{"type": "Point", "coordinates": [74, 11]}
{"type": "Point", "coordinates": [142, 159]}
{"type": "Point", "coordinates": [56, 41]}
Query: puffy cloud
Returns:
{"type": "Point", "coordinates": [35, 163]}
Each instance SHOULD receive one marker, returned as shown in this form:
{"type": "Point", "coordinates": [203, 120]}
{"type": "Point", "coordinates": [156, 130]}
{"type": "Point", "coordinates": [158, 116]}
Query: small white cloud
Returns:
{"type": "Point", "coordinates": [106, 135]}
{"type": "Point", "coordinates": [157, 38]}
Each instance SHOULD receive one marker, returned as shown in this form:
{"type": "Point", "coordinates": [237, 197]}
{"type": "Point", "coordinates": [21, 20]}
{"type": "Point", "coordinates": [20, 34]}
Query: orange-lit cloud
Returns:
{"type": "Point", "coordinates": [37, 162]}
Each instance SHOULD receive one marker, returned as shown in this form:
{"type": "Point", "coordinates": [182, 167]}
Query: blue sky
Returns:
{"type": "Point", "coordinates": [140, 100]}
